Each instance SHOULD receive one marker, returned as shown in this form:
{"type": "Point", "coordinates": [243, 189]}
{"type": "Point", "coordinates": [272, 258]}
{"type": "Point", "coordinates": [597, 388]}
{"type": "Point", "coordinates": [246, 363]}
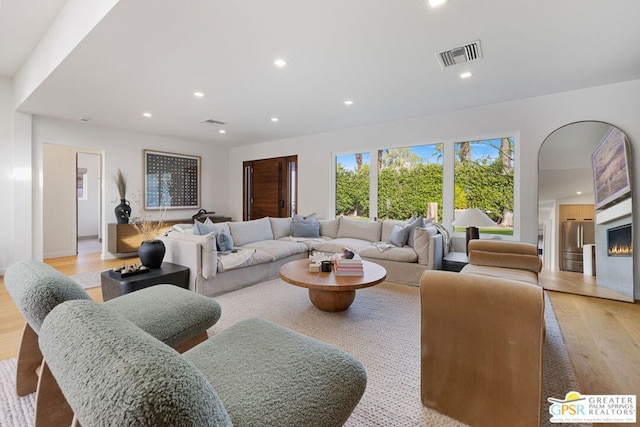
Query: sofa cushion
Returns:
{"type": "Point", "coordinates": [358, 229]}
{"type": "Point", "coordinates": [405, 254]}
{"type": "Point", "coordinates": [337, 245]}
{"type": "Point", "coordinates": [244, 232]}
{"type": "Point", "coordinates": [503, 273]}
{"type": "Point", "coordinates": [278, 249]}
{"type": "Point", "coordinates": [329, 227]}
{"type": "Point", "coordinates": [305, 226]}
{"type": "Point", "coordinates": [281, 227]}
{"type": "Point", "coordinates": [258, 257]}
{"type": "Point", "coordinates": [422, 245]}
{"type": "Point", "coordinates": [531, 263]}
{"type": "Point", "coordinates": [307, 241]}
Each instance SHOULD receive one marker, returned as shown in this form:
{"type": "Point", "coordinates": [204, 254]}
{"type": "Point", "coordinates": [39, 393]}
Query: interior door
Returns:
{"type": "Point", "coordinates": [269, 187]}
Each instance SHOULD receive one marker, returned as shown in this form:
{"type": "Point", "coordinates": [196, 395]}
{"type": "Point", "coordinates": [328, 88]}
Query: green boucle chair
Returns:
{"type": "Point", "coordinates": [254, 373]}
{"type": "Point", "coordinates": [173, 315]}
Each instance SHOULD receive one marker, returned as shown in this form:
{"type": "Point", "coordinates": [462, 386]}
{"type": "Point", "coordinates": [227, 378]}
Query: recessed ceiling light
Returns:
{"type": "Point", "coordinates": [222, 131]}
{"type": "Point", "coordinates": [578, 192]}
{"type": "Point", "coordinates": [348, 102]}
{"type": "Point", "coordinates": [466, 75]}
{"type": "Point", "coordinates": [280, 63]}
{"type": "Point", "coordinates": [275, 119]}
{"type": "Point", "coordinates": [436, 3]}
{"type": "Point", "coordinates": [198, 94]}
{"type": "Point", "coordinates": [147, 114]}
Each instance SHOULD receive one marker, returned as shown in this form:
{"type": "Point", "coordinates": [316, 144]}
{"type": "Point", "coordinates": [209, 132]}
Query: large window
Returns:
{"type": "Point", "coordinates": [410, 182]}
{"type": "Point", "coordinates": [433, 180]}
{"type": "Point", "coordinates": [483, 179]}
{"type": "Point", "coordinates": [352, 185]}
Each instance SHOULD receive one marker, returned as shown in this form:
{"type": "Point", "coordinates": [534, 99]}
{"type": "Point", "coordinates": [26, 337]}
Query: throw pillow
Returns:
{"type": "Point", "coordinates": [412, 225]}
{"type": "Point", "coordinates": [399, 235]}
{"type": "Point", "coordinates": [202, 228]}
{"type": "Point", "coordinates": [305, 226]}
{"type": "Point", "coordinates": [224, 241]}
{"type": "Point", "coordinates": [422, 243]}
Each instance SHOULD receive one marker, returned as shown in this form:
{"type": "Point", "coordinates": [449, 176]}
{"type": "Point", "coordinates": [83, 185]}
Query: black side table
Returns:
{"type": "Point", "coordinates": [172, 274]}
{"type": "Point", "coordinates": [454, 261]}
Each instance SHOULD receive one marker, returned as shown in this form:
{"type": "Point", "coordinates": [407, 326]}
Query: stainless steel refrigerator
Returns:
{"type": "Point", "coordinates": [575, 234]}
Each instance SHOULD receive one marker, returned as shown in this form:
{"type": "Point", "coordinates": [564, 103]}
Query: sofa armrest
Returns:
{"type": "Point", "coordinates": [198, 253]}
{"type": "Point", "coordinates": [481, 341]}
{"type": "Point", "coordinates": [522, 256]}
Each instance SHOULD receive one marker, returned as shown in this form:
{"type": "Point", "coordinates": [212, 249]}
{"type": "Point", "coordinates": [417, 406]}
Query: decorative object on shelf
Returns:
{"type": "Point", "coordinates": [151, 253]}
{"type": "Point", "coordinates": [347, 253]}
{"type": "Point", "coordinates": [171, 181]}
{"type": "Point", "coordinates": [123, 210]}
{"type": "Point", "coordinates": [202, 213]}
{"type": "Point", "coordinates": [129, 270]}
{"type": "Point", "coordinates": [472, 219]}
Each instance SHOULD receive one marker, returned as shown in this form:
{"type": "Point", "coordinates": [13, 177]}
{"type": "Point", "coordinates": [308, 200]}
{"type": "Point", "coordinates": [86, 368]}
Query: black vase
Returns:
{"type": "Point", "coordinates": [123, 212]}
{"type": "Point", "coordinates": [151, 253]}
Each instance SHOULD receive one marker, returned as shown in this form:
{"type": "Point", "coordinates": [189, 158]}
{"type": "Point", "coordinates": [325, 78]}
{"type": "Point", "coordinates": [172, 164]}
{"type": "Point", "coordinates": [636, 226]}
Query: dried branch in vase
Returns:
{"type": "Point", "coordinates": [150, 229]}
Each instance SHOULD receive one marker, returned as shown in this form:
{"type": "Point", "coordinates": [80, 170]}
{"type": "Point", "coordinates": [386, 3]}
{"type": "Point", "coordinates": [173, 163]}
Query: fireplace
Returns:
{"type": "Point", "coordinates": [619, 241]}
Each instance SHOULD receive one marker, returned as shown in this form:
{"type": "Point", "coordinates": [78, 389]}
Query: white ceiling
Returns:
{"type": "Point", "coordinates": [150, 55]}
{"type": "Point", "coordinates": [22, 24]}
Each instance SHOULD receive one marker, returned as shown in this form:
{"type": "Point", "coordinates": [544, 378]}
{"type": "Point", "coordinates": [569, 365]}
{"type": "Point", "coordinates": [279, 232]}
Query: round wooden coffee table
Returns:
{"type": "Point", "coordinates": [327, 291]}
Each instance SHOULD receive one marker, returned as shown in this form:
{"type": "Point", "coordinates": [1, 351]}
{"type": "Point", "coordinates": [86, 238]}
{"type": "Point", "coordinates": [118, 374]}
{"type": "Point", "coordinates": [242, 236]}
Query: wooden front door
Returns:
{"type": "Point", "coordinates": [270, 188]}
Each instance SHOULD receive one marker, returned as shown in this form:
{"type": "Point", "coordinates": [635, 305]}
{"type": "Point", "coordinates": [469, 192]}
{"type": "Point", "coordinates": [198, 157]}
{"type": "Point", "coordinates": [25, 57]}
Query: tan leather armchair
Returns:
{"type": "Point", "coordinates": [481, 352]}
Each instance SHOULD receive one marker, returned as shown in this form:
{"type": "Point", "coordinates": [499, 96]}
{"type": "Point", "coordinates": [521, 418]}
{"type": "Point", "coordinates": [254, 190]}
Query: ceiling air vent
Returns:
{"type": "Point", "coordinates": [458, 55]}
{"type": "Point", "coordinates": [213, 122]}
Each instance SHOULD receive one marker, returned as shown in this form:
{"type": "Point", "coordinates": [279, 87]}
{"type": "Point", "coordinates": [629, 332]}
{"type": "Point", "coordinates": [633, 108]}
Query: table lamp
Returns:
{"type": "Point", "coordinates": [472, 219]}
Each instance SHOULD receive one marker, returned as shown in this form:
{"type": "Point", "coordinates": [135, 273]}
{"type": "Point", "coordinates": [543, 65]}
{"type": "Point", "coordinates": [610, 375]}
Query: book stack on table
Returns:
{"type": "Point", "coordinates": [348, 267]}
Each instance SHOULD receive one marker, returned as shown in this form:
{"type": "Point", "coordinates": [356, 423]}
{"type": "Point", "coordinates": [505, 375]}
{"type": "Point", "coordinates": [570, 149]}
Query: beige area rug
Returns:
{"type": "Point", "coordinates": [87, 280]}
{"type": "Point", "coordinates": [381, 329]}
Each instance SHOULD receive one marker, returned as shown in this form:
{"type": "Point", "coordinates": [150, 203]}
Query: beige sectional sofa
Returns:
{"type": "Point", "coordinates": [266, 244]}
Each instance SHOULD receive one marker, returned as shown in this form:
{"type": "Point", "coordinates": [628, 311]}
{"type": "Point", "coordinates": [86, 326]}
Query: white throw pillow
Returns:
{"type": "Point", "coordinates": [422, 243]}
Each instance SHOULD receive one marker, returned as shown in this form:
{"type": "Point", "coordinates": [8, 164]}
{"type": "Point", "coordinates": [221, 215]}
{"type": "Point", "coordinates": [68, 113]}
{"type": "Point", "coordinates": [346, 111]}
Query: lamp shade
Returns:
{"type": "Point", "coordinates": [473, 218]}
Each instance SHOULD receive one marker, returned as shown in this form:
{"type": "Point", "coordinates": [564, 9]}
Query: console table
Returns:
{"type": "Point", "coordinates": [124, 239]}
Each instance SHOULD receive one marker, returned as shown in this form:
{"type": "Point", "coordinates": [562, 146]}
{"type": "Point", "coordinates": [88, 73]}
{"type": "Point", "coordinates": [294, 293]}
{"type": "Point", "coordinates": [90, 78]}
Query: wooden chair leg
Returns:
{"type": "Point", "coordinates": [184, 346]}
{"type": "Point", "coordinates": [52, 408]}
{"type": "Point", "coordinates": [29, 359]}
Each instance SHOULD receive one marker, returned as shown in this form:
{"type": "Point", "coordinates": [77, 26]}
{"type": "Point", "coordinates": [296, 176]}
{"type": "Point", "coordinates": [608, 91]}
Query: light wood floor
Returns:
{"type": "Point", "coordinates": [602, 336]}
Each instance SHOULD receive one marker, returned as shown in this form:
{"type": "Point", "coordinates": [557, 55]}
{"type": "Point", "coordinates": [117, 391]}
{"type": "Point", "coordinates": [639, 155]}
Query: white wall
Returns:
{"type": "Point", "coordinates": [59, 201]}
{"type": "Point", "coordinates": [533, 119]}
{"type": "Point", "coordinates": [6, 172]}
{"type": "Point", "coordinates": [89, 208]}
{"type": "Point", "coordinates": [124, 150]}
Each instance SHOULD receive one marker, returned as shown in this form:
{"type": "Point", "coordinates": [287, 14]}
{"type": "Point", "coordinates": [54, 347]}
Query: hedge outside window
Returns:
{"type": "Point", "coordinates": [484, 179]}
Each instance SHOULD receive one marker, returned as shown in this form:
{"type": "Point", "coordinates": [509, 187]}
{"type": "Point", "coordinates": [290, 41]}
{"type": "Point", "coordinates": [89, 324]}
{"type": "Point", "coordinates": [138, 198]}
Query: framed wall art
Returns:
{"type": "Point", "coordinates": [171, 181]}
{"type": "Point", "coordinates": [611, 169]}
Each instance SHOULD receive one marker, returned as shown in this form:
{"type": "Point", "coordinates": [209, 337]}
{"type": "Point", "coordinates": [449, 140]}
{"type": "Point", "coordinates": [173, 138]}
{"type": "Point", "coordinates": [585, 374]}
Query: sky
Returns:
{"type": "Point", "coordinates": [429, 154]}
